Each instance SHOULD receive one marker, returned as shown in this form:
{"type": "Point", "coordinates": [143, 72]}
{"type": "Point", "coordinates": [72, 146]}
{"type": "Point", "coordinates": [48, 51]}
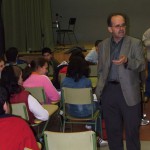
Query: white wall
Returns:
{"type": "Point", "coordinates": [92, 14]}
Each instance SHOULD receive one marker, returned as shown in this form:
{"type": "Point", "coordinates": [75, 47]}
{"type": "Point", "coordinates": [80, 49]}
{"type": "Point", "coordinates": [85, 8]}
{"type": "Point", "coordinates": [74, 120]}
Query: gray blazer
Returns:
{"type": "Point", "coordinates": [129, 74]}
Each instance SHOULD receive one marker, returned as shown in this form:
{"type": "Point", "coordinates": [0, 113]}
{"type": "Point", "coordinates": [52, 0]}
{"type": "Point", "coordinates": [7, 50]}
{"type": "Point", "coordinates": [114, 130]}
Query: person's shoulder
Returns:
{"type": "Point", "coordinates": [92, 51]}
{"type": "Point", "coordinates": [105, 41]}
{"type": "Point", "coordinates": [132, 39]}
{"type": "Point", "coordinates": [15, 120]}
{"type": "Point", "coordinates": [44, 77]}
{"type": "Point", "coordinates": [147, 31]}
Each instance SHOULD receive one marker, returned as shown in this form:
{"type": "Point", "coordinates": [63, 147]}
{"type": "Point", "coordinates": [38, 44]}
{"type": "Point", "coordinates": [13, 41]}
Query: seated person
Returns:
{"type": "Point", "coordinates": [11, 79]}
{"type": "Point", "coordinates": [62, 68]}
{"type": "Point", "coordinates": [77, 77]}
{"type": "Point", "coordinates": [12, 57]}
{"type": "Point", "coordinates": [52, 62]}
{"type": "Point", "coordinates": [15, 132]}
{"type": "Point", "coordinates": [92, 56]}
{"type": "Point", "coordinates": [2, 65]}
{"type": "Point", "coordinates": [146, 41]}
{"type": "Point", "coordinates": [35, 76]}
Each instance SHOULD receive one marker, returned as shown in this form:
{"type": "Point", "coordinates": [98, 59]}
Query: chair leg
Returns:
{"type": "Point", "coordinates": [69, 38]}
{"type": "Point", "coordinates": [42, 133]}
{"type": "Point", "coordinates": [61, 123]}
{"type": "Point", "coordinates": [75, 37]}
{"type": "Point", "coordinates": [101, 129]}
{"type": "Point", "coordinates": [64, 126]}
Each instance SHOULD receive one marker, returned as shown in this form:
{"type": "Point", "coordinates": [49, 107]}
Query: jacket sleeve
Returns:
{"type": "Point", "coordinates": [136, 59]}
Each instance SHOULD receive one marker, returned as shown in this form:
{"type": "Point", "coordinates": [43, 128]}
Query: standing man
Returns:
{"type": "Point", "coordinates": [120, 60]}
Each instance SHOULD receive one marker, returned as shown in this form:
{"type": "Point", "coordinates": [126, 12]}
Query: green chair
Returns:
{"type": "Point", "coordinates": [70, 141]}
{"type": "Point", "coordinates": [93, 70]}
{"type": "Point", "coordinates": [79, 96]}
{"type": "Point", "coordinates": [93, 75]}
{"type": "Point", "coordinates": [19, 109]}
{"type": "Point", "coordinates": [38, 93]}
{"type": "Point", "coordinates": [22, 66]}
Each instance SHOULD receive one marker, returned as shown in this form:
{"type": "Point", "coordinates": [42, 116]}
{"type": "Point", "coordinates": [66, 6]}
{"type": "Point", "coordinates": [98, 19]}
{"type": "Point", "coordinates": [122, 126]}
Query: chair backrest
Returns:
{"type": "Point", "coordinates": [93, 70]}
{"type": "Point", "coordinates": [38, 93]}
{"type": "Point", "coordinates": [70, 141]}
{"type": "Point", "coordinates": [22, 66]}
{"type": "Point", "coordinates": [72, 22]}
{"type": "Point", "coordinates": [19, 109]}
{"type": "Point", "coordinates": [77, 95]}
{"type": "Point", "coordinates": [61, 76]}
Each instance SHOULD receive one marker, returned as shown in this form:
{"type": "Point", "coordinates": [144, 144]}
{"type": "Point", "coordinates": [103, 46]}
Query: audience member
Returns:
{"type": "Point", "coordinates": [11, 79]}
{"type": "Point", "coordinates": [72, 49]}
{"type": "Point", "coordinates": [2, 65]}
{"type": "Point", "coordinates": [52, 62]}
{"type": "Point", "coordinates": [62, 68]}
{"type": "Point", "coordinates": [92, 56]}
{"type": "Point", "coordinates": [76, 77]}
{"type": "Point", "coordinates": [12, 57]}
{"type": "Point", "coordinates": [120, 60]}
{"type": "Point", "coordinates": [34, 76]}
{"type": "Point", "coordinates": [146, 83]}
{"type": "Point", "coordinates": [146, 41]}
{"type": "Point", "coordinates": [15, 132]}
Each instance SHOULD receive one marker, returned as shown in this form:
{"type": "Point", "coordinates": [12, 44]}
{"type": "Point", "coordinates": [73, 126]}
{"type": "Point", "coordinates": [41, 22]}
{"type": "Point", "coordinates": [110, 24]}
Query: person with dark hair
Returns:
{"type": "Point", "coordinates": [12, 57]}
{"type": "Point", "coordinates": [11, 79]}
{"type": "Point", "coordinates": [77, 77]}
{"type": "Point", "coordinates": [92, 56]}
{"type": "Point", "coordinates": [35, 76]}
{"type": "Point", "coordinates": [52, 62]}
{"type": "Point", "coordinates": [13, 126]}
{"type": "Point", "coordinates": [75, 48]}
{"type": "Point", "coordinates": [62, 68]}
{"type": "Point", "coordinates": [120, 61]}
{"type": "Point", "coordinates": [76, 52]}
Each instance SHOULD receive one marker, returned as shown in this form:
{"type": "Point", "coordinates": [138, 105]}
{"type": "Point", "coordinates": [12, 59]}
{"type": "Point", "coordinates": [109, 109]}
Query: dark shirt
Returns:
{"type": "Point", "coordinates": [114, 55]}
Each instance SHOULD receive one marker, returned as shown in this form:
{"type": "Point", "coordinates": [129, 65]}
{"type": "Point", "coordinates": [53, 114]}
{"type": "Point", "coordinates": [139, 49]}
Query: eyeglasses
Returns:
{"type": "Point", "coordinates": [119, 26]}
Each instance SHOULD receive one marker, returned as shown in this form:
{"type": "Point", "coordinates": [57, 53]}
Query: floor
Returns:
{"type": "Point", "coordinates": [145, 130]}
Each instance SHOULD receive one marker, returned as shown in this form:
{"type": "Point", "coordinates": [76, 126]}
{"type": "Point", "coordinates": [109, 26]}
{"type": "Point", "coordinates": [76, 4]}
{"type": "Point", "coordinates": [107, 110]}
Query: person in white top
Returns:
{"type": "Point", "coordinates": [92, 56]}
{"type": "Point", "coordinates": [11, 79]}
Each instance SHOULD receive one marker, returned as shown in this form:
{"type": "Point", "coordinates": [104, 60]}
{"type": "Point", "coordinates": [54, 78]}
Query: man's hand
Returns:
{"type": "Point", "coordinates": [121, 60]}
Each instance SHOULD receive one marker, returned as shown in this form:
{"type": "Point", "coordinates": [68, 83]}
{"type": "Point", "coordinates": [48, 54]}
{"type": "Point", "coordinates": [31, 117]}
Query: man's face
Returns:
{"type": "Point", "coordinates": [47, 56]}
{"type": "Point", "coordinates": [118, 28]}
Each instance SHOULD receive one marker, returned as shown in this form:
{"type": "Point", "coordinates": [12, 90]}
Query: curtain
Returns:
{"type": "Point", "coordinates": [27, 24]}
{"type": "Point", "coordinates": [2, 43]}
